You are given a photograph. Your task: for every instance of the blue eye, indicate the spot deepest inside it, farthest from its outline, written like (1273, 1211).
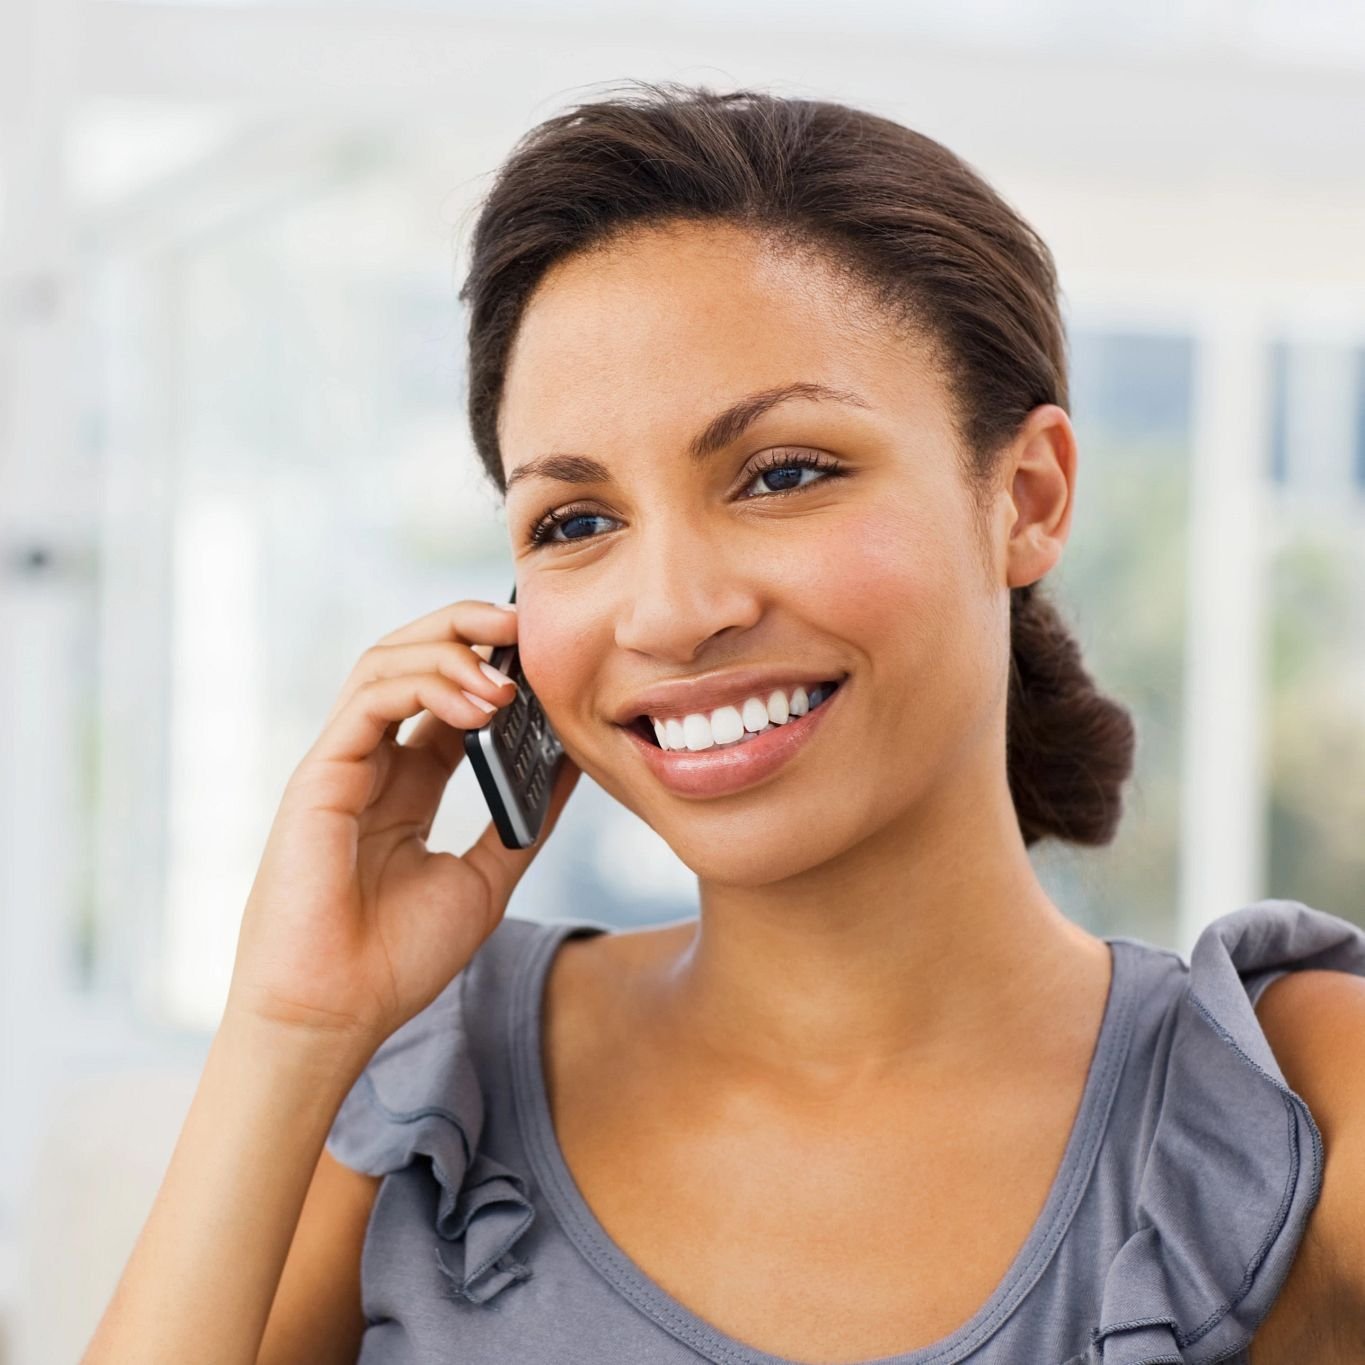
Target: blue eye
(781, 462)
(564, 516)
(776, 462)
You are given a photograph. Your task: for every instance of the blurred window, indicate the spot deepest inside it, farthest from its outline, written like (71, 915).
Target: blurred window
(1121, 585)
(1315, 574)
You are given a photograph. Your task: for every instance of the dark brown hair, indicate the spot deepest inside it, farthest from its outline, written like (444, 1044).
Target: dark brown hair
(940, 254)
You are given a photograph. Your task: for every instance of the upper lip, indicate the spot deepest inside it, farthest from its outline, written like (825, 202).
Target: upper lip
(683, 696)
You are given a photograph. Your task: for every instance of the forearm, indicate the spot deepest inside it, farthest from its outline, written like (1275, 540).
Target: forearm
(201, 1279)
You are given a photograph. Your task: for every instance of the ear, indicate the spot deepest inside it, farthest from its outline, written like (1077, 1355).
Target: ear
(1039, 473)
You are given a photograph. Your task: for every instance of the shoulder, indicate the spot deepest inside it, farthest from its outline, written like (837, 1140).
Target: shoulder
(1268, 1247)
(1314, 1021)
(599, 986)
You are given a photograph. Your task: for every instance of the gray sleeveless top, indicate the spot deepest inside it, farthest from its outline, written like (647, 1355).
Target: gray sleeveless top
(1170, 1227)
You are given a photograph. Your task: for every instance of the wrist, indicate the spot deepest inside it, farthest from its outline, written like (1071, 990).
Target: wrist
(326, 1060)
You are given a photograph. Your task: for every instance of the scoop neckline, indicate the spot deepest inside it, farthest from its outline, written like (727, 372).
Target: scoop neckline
(551, 1170)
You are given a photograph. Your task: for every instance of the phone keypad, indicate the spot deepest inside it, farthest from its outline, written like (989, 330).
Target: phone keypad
(527, 750)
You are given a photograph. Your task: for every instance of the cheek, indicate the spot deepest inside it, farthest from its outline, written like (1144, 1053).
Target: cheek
(897, 585)
(552, 653)
(872, 570)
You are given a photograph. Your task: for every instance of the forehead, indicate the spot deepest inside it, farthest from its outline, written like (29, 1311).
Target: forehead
(635, 341)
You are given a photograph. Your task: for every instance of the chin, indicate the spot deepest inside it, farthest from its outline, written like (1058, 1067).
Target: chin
(754, 853)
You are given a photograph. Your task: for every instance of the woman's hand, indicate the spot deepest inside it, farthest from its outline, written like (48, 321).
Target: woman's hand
(353, 925)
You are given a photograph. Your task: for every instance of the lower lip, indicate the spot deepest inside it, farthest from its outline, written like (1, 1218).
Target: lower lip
(719, 771)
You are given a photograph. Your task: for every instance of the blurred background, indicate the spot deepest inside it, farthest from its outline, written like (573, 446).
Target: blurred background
(233, 454)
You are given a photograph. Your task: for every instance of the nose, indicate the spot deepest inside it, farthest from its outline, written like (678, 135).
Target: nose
(682, 587)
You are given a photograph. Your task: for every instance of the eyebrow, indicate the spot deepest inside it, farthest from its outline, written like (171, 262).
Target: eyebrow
(722, 430)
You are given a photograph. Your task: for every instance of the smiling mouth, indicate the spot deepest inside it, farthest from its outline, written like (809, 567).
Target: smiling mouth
(645, 729)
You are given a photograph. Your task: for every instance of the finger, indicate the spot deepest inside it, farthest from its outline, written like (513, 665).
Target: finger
(414, 782)
(443, 740)
(382, 704)
(459, 662)
(466, 621)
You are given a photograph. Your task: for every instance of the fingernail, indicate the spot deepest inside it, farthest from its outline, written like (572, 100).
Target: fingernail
(481, 702)
(506, 606)
(490, 672)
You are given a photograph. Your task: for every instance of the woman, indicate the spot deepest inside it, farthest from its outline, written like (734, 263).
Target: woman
(775, 391)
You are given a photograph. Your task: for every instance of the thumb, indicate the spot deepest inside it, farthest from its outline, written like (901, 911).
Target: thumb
(500, 867)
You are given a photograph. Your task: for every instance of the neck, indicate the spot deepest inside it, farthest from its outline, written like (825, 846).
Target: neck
(929, 946)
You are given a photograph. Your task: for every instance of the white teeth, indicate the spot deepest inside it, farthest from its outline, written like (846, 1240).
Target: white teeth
(755, 714)
(697, 731)
(726, 725)
(729, 725)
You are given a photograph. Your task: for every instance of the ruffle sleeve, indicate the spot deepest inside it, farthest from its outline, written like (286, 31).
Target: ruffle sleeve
(419, 1100)
(1235, 1163)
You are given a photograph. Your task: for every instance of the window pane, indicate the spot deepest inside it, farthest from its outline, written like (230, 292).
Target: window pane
(1121, 584)
(1316, 584)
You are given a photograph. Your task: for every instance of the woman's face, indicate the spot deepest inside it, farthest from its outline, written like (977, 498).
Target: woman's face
(673, 568)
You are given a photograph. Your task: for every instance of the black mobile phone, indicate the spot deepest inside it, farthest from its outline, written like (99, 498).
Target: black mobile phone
(516, 757)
